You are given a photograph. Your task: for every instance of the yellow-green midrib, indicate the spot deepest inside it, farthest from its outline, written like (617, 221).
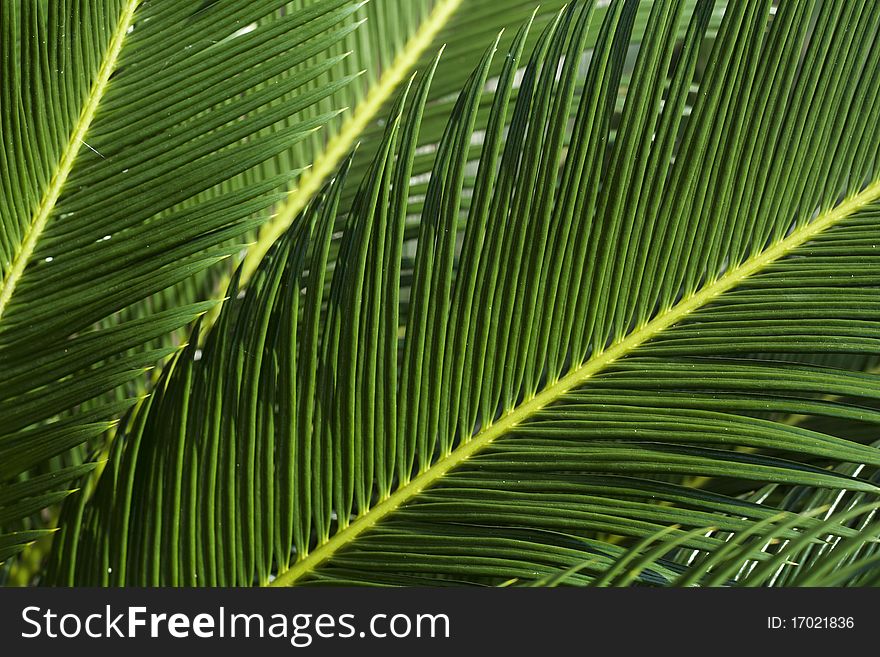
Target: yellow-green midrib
(576, 377)
(77, 140)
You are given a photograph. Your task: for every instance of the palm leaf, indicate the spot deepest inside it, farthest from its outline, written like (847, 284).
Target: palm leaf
(131, 131)
(638, 295)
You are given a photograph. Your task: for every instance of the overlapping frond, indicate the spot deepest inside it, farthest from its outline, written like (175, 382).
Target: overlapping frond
(638, 294)
(829, 553)
(122, 125)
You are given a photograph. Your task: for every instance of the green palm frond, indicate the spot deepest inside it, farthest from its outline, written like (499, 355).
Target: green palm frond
(640, 294)
(135, 141)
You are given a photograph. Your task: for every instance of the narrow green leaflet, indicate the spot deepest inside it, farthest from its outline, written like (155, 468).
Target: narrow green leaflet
(658, 266)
